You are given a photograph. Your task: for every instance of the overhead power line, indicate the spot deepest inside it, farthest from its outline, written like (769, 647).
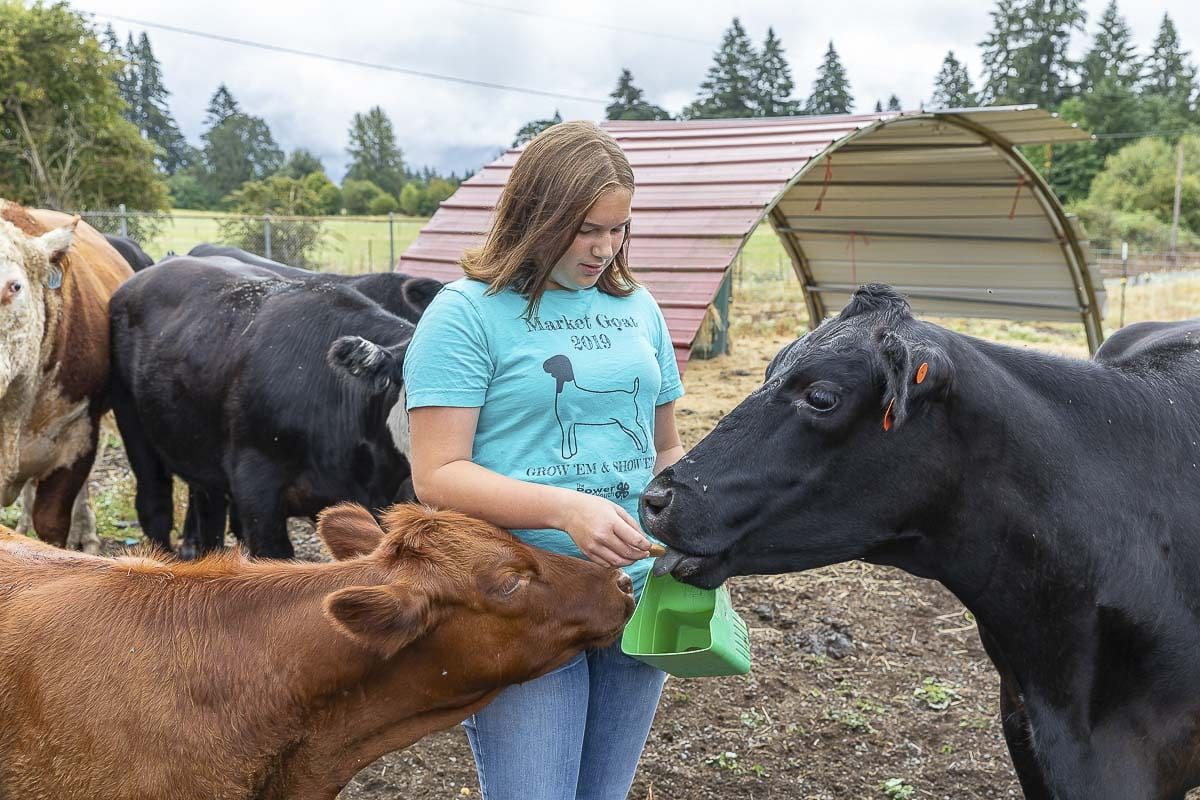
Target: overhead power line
(584, 23)
(1143, 134)
(352, 61)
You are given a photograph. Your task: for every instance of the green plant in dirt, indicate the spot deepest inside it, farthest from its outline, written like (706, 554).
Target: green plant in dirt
(937, 696)
(759, 771)
(869, 706)
(752, 718)
(726, 760)
(853, 720)
(897, 789)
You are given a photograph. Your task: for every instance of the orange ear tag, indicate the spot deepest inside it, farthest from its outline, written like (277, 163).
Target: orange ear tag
(887, 416)
(921, 370)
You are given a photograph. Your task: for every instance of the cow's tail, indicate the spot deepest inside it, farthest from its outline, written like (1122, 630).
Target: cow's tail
(361, 360)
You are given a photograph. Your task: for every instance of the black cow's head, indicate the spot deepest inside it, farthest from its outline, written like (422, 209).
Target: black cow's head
(841, 454)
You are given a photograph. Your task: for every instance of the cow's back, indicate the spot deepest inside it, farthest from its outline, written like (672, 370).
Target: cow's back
(1155, 346)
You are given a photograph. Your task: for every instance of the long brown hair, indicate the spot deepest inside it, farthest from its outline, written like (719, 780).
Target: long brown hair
(554, 183)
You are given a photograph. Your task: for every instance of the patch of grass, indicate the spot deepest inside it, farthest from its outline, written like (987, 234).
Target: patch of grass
(9, 516)
(115, 510)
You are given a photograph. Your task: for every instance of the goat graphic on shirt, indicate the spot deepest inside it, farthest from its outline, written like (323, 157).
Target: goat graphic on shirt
(575, 405)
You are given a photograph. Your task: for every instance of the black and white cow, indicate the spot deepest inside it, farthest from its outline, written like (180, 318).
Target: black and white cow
(406, 296)
(1058, 499)
(283, 395)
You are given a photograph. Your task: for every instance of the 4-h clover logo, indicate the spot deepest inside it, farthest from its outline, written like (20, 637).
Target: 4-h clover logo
(622, 490)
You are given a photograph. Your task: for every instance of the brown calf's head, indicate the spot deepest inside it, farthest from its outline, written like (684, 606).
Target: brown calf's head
(466, 598)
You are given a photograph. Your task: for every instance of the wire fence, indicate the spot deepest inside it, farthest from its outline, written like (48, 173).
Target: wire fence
(339, 244)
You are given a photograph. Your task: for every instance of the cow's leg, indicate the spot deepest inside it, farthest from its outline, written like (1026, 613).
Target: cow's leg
(1018, 736)
(258, 496)
(204, 526)
(1015, 723)
(154, 500)
(25, 521)
(83, 524)
(55, 499)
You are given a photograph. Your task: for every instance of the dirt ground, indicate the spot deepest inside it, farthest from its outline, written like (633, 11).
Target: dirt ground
(866, 682)
(831, 706)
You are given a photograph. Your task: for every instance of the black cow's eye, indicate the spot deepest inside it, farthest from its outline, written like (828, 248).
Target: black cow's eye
(820, 399)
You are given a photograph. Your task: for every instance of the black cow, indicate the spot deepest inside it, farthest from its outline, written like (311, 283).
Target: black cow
(1059, 500)
(228, 376)
(131, 251)
(404, 295)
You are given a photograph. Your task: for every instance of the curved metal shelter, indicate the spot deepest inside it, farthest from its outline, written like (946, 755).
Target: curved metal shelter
(940, 204)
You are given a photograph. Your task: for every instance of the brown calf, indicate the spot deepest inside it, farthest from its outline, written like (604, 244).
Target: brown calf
(227, 678)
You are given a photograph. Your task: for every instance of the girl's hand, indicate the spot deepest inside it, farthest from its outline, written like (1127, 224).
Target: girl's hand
(604, 531)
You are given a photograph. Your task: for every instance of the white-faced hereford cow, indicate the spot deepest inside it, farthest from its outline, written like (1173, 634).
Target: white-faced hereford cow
(282, 395)
(56, 277)
(1059, 500)
(270, 680)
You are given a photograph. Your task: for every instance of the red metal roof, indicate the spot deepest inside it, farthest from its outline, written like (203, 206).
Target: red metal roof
(702, 187)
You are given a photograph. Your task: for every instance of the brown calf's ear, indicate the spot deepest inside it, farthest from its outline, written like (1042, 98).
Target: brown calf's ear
(348, 530)
(383, 619)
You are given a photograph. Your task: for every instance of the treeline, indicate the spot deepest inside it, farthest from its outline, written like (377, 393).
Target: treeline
(86, 123)
(1142, 103)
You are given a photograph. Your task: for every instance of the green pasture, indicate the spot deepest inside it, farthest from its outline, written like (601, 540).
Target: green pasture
(348, 244)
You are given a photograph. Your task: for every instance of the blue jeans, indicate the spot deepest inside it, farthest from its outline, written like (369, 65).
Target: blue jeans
(575, 733)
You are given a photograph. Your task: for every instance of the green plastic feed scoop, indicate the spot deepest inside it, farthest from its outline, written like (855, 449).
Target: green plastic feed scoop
(687, 631)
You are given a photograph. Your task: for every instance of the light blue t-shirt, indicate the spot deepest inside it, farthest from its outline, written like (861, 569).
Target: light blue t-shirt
(566, 397)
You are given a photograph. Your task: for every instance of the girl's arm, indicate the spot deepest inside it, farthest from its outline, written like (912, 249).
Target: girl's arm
(445, 476)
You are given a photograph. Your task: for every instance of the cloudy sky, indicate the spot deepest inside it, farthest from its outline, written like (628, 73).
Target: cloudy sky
(565, 49)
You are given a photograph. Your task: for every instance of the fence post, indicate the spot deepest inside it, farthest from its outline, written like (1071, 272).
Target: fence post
(391, 241)
(124, 220)
(1124, 278)
(267, 234)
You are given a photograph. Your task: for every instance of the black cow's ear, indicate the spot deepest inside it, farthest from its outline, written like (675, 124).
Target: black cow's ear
(933, 374)
(914, 374)
(383, 619)
(348, 530)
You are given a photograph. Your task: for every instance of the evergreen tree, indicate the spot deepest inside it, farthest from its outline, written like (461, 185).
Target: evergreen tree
(773, 95)
(1045, 59)
(531, 129)
(1112, 55)
(628, 102)
(878, 106)
(302, 163)
(149, 110)
(374, 155)
(221, 106)
(237, 148)
(894, 103)
(729, 90)
(1000, 50)
(1168, 74)
(831, 89)
(952, 86)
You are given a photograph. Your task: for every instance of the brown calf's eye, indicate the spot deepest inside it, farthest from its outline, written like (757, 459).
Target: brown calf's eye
(510, 585)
